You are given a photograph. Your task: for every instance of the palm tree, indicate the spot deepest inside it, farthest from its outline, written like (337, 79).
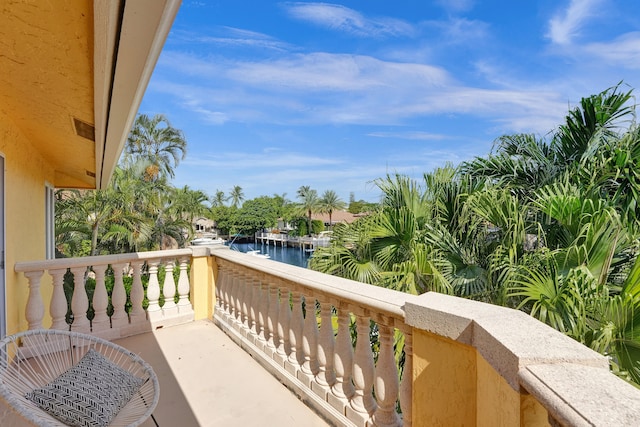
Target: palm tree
(527, 163)
(387, 248)
(236, 196)
(187, 204)
(587, 125)
(156, 142)
(109, 219)
(522, 161)
(330, 202)
(219, 199)
(309, 203)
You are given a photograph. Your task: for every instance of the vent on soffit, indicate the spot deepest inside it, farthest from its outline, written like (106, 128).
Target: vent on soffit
(84, 129)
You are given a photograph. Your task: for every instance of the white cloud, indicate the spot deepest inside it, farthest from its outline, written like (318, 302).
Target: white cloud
(624, 51)
(566, 25)
(343, 19)
(334, 72)
(324, 88)
(232, 38)
(461, 30)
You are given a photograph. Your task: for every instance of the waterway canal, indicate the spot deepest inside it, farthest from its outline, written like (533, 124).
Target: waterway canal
(292, 256)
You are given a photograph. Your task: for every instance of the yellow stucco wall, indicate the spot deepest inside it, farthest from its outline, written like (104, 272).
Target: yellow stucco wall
(455, 386)
(26, 173)
(498, 404)
(444, 386)
(203, 271)
(532, 413)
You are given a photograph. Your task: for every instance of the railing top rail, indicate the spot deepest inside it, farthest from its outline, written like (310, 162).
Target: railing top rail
(63, 263)
(386, 302)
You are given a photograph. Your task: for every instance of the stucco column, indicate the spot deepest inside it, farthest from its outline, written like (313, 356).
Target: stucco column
(204, 270)
(444, 387)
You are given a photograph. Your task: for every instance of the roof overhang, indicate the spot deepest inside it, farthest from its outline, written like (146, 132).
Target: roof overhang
(129, 36)
(72, 76)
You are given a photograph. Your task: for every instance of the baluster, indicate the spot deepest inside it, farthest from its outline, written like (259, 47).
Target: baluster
(58, 307)
(326, 376)
(263, 307)
(79, 301)
(238, 296)
(386, 380)
(184, 305)
(272, 317)
(169, 290)
(295, 333)
(224, 276)
(363, 370)
(406, 385)
(218, 289)
(310, 340)
(253, 307)
(100, 301)
(233, 296)
(230, 301)
(245, 302)
(137, 314)
(153, 291)
(284, 320)
(343, 388)
(34, 311)
(118, 298)
(230, 289)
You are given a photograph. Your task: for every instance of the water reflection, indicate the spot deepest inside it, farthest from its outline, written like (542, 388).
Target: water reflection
(292, 256)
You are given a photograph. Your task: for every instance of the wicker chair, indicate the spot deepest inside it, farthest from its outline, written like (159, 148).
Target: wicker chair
(37, 366)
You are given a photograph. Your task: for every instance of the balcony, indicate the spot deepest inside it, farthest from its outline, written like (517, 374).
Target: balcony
(239, 340)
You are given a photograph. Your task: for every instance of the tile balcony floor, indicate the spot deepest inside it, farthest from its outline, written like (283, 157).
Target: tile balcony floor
(207, 380)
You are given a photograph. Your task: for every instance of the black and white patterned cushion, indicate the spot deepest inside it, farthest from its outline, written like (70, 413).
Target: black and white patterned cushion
(89, 394)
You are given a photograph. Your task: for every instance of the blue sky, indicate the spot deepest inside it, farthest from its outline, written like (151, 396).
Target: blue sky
(275, 95)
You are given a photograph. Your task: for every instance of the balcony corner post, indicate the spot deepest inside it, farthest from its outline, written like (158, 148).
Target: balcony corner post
(204, 273)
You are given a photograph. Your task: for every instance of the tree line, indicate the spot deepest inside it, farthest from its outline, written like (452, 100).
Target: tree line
(264, 212)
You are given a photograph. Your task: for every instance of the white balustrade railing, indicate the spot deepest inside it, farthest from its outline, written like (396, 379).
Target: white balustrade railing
(121, 322)
(304, 331)
(336, 343)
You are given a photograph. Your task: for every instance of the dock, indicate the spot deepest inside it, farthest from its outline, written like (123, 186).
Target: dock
(284, 240)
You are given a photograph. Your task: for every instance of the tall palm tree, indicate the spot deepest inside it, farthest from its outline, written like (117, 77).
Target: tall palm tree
(236, 196)
(186, 203)
(329, 202)
(155, 141)
(218, 199)
(309, 203)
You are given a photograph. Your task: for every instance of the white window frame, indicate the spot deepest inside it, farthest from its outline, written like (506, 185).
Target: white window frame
(49, 220)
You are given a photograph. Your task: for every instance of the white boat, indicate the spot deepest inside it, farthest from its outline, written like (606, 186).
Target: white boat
(258, 254)
(202, 241)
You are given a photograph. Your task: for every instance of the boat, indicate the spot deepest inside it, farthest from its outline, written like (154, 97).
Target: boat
(205, 241)
(258, 254)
